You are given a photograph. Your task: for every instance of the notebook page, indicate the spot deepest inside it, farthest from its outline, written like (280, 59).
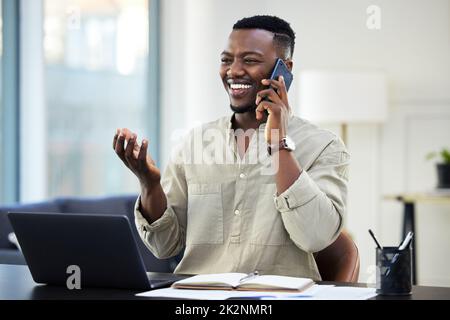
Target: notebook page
(282, 282)
(229, 279)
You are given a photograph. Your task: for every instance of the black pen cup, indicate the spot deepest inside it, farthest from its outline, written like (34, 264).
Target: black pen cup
(394, 276)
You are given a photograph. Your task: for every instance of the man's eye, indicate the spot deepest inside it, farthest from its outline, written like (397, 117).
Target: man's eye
(225, 60)
(250, 61)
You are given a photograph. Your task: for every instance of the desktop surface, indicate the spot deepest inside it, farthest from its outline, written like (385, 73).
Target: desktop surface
(16, 283)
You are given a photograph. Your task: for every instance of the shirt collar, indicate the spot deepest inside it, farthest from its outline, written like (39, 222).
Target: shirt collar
(262, 126)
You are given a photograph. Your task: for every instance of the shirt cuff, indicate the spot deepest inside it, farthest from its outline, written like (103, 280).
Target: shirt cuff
(302, 191)
(163, 222)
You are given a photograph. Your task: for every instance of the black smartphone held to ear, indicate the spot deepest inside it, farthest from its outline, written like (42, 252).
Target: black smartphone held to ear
(281, 69)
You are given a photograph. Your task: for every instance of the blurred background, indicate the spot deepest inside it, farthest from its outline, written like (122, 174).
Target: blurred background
(72, 71)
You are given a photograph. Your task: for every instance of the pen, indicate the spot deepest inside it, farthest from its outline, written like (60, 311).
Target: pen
(249, 276)
(375, 239)
(378, 245)
(406, 242)
(403, 245)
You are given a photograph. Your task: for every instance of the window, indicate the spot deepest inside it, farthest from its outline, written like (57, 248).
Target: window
(96, 59)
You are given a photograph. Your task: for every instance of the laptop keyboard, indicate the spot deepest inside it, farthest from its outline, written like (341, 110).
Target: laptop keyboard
(152, 277)
(156, 282)
(160, 281)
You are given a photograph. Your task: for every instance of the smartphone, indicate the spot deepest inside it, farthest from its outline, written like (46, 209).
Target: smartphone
(281, 69)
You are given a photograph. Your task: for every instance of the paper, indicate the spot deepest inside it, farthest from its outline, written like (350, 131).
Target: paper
(216, 294)
(282, 282)
(316, 292)
(344, 293)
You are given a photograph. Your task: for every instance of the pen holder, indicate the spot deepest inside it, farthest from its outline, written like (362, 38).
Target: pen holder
(394, 271)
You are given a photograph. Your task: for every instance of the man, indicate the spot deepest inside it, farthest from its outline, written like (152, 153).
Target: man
(237, 216)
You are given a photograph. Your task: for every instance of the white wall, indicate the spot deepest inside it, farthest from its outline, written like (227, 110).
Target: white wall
(412, 47)
(412, 132)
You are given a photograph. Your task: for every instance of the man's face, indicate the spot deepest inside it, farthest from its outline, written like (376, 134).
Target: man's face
(248, 58)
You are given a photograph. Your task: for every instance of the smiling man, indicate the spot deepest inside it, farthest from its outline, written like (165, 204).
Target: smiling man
(234, 216)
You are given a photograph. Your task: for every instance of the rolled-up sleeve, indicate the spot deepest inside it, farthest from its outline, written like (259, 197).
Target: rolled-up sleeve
(166, 236)
(313, 207)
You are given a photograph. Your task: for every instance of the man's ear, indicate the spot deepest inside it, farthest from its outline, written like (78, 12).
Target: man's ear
(289, 64)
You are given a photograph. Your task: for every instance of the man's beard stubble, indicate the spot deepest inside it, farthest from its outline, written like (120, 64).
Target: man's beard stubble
(242, 109)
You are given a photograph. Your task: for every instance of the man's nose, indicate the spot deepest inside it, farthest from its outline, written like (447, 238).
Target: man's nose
(235, 70)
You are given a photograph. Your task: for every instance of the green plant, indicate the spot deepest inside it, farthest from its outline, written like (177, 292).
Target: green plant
(444, 155)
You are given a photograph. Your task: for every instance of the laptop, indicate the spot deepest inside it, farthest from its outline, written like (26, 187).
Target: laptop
(103, 247)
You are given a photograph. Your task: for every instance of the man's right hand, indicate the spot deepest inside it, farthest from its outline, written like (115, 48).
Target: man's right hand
(153, 200)
(136, 159)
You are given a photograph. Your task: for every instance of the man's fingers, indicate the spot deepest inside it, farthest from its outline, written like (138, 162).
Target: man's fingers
(278, 85)
(136, 147)
(116, 136)
(259, 115)
(282, 89)
(271, 82)
(142, 157)
(143, 151)
(119, 146)
(130, 147)
(127, 133)
(265, 105)
(269, 93)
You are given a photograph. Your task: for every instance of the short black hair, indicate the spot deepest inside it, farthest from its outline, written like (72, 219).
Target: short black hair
(284, 36)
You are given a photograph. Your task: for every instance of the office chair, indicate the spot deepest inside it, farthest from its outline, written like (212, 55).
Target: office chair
(339, 261)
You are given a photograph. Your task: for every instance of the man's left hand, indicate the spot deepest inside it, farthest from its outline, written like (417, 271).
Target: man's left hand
(278, 107)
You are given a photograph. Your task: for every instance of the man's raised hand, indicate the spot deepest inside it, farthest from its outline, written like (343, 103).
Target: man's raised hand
(135, 157)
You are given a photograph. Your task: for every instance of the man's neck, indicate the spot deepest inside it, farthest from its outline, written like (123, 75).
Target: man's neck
(247, 120)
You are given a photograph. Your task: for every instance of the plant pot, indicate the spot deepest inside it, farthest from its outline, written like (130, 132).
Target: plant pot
(443, 171)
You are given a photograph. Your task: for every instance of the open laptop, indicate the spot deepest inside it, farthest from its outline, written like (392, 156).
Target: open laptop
(102, 246)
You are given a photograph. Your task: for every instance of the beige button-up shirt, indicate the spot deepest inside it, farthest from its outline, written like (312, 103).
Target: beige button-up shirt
(225, 212)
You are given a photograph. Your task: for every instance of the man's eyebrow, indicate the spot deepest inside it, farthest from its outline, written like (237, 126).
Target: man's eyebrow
(244, 53)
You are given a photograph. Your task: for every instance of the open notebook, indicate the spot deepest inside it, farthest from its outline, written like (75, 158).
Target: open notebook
(241, 281)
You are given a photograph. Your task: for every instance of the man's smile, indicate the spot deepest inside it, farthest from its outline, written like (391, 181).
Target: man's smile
(238, 89)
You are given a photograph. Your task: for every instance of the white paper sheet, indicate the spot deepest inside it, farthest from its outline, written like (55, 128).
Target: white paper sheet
(341, 293)
(316, 292)
(221, 294)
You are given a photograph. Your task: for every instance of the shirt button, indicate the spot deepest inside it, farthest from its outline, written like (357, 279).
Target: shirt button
(236, 212)
(242, 176)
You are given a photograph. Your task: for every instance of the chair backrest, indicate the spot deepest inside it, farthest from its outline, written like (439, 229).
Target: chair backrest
(339, 261)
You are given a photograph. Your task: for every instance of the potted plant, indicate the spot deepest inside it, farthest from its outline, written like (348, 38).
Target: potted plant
(443, 167)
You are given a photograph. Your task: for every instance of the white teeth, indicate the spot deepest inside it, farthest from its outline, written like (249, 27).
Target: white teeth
(240, 86)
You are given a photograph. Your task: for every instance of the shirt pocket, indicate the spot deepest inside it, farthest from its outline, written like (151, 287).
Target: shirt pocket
(267, 227)
(204, 214)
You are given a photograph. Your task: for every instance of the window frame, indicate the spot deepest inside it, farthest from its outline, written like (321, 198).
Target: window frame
(10, 135)
(153, 96)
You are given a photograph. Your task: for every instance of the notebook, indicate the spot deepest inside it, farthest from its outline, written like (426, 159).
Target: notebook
(243, 281)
